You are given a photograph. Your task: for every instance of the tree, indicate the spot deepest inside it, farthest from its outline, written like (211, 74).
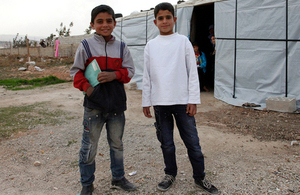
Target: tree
(88, 30)
(50, 39)
(19, 42)
(63, 31)
(23, 42)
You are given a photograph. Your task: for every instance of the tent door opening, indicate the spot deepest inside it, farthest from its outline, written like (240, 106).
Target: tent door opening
(202, 19)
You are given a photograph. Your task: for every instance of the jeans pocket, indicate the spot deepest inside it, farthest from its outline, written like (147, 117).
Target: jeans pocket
(88, 109)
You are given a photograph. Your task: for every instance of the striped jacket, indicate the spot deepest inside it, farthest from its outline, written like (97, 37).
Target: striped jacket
(111, 56)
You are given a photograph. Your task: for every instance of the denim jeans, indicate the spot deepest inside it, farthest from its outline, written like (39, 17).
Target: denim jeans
(93, 122)
(188, 132)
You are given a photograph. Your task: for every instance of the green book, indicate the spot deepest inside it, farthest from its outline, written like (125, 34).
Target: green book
(91, 72)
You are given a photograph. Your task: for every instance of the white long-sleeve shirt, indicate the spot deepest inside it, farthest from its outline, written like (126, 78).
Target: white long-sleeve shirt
(170, 72)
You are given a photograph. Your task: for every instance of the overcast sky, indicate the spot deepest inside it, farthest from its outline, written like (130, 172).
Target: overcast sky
(42, 17)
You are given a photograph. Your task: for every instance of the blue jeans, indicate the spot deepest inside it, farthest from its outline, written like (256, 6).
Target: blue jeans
(93, 122)
(188, 132)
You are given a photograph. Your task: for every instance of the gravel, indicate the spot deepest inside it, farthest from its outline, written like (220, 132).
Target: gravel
(239, 158)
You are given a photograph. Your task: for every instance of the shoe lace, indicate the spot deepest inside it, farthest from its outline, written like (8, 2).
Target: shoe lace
(206, 183)
(125, 181)
(168, 178)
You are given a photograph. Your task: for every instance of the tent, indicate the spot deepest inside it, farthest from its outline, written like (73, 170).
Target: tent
(257, 45)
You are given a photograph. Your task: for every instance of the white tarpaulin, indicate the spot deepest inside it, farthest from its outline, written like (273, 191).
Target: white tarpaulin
(137, 29)
(251, 48)
(262, 69)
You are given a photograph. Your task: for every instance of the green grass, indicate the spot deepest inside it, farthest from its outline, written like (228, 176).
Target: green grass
(15, 119)
(71, 142)
(21, 84)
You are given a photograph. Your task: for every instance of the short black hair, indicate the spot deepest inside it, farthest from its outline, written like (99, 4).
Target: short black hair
(101, 9)
(195, 44)
(163, 6)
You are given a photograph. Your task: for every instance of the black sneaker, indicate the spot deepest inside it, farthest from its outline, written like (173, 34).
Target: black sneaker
(166, 183)
(123, 184)
(87, 190)
(207, 186)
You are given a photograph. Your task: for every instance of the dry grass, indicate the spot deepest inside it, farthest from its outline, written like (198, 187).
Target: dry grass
(58, 67)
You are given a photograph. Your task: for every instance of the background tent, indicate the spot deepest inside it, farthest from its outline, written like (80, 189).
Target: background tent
(257, 45)
(138, 28)
(258, 50)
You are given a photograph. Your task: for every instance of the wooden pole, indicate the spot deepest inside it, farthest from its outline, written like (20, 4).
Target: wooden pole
(10, 48)
(27, 42)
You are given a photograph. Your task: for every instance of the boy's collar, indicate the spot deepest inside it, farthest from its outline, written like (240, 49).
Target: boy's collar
(101, 38)
(174, 33)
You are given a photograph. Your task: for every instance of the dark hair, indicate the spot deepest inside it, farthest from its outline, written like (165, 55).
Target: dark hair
(195, 44)
(163, 6)
(101, 9)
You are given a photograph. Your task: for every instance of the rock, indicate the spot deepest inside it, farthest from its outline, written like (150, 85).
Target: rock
(250, 105)
(22, 69)
(38, 68)
(37, 163)
(132, 173)
(30, 65)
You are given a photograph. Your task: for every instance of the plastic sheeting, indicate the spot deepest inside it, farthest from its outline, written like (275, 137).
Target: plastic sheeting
(138, 29)
(261, 65)
(248, 69)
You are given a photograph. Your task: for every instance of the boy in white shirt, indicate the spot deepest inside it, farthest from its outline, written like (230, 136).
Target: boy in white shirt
(171, 85)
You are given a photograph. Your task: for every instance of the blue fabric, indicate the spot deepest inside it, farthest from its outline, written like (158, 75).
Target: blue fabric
(202, 59)
(93, 123)
(187, 128)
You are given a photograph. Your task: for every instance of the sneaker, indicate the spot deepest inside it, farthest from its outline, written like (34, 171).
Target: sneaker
(123, 184)
(207, 186)
(87, 190)
(166, 183)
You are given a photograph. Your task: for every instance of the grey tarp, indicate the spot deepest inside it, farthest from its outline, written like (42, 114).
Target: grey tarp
(252, 46)
(137, 29)
(257, 33)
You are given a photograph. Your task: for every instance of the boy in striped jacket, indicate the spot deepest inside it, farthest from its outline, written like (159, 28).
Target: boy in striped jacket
(105, 102)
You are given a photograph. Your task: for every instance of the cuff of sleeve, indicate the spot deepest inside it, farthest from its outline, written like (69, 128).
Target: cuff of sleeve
(86, 86)
(118, 75)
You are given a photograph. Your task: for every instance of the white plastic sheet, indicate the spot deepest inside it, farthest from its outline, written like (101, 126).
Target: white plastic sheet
(261, 57)
(137, 30)
(260, 51)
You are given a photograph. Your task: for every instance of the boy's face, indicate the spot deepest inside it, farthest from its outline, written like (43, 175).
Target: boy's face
(196, 48)
(213, 40)
(104, 25)
(165, 22)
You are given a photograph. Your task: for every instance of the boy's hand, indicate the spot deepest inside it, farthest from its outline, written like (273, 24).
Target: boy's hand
(104, 77)
(191, 109)
(146, 111)
(89, 91)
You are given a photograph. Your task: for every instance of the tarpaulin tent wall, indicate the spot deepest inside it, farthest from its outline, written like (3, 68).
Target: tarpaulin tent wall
(258, 49)
(138, 28)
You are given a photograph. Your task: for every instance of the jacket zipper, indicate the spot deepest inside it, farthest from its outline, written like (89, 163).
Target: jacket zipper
(105, 55)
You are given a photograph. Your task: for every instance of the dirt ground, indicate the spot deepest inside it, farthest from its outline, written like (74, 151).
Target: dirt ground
(246, 151)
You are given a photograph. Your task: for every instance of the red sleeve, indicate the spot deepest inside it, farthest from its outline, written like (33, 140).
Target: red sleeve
(122, 75)
(80, 82)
